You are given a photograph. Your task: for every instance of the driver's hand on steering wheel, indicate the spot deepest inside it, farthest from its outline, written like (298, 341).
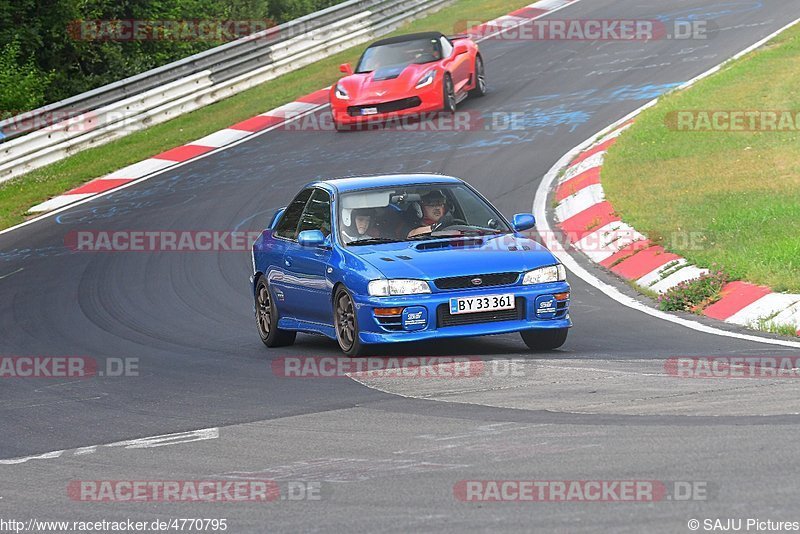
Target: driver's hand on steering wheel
(421, 230)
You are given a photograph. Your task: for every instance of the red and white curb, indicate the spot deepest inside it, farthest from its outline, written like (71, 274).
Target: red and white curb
(188, 151)
(272, 118)
(594, 228)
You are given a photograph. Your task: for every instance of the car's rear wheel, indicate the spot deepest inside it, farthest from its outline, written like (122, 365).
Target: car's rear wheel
(267, 319)
(544, 339)
(449, 96)
(346, 323)
(480, 75)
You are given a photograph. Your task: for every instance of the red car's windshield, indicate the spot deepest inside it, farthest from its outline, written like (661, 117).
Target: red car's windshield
(400, 54)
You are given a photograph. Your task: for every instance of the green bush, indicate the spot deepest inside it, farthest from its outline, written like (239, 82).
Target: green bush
(49, 62)
(694, 295)
(22, 85)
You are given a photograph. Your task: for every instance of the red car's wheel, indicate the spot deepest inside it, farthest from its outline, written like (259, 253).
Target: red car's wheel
(480, 78)
(449, 94)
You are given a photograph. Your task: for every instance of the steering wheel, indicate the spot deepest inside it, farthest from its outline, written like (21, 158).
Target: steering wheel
(441, 225)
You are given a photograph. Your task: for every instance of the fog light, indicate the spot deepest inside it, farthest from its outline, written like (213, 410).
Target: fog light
(388, 312)
(561, 296)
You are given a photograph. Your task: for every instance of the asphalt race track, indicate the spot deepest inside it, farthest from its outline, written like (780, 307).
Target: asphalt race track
(387, 453)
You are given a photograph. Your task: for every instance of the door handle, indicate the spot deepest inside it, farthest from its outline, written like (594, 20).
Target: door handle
(287, 261)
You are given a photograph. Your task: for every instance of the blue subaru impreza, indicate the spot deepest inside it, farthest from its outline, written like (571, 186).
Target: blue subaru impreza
(388, 259)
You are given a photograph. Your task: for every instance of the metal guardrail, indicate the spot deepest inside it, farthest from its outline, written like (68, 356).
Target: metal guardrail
(155, 96)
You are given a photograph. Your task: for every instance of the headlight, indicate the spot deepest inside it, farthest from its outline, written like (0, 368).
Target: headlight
(426, 79)
(341, 94)
(385, 288)
(554, 273)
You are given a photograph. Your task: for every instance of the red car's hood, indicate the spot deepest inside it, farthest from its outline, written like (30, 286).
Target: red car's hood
(384, 85)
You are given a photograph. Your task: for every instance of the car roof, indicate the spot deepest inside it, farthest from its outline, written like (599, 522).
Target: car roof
(407, 37)
(384, 180)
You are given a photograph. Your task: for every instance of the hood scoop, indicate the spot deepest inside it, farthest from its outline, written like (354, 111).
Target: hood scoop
(460, 243)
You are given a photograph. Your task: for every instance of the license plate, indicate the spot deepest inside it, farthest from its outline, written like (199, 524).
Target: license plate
(481, 304)
(369, 111)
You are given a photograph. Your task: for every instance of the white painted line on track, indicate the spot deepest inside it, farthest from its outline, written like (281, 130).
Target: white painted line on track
(150, 442)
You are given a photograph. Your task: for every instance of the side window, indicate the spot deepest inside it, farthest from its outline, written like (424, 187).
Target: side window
(287, 226)
(317, 215)
(447, 47)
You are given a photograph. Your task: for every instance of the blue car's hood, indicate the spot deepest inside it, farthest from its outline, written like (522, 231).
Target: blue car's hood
(455, 257)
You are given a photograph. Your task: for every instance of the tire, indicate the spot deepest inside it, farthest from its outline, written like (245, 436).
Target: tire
(480, 74)
(345, 322)
(448, 94)
(267, 319)
(544, 339)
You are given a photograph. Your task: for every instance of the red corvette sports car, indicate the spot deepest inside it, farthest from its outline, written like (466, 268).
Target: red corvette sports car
(407, 74)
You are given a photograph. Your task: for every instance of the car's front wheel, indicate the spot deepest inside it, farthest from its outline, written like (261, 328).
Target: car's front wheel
(267, 319)
(346, 323)
(544, 339)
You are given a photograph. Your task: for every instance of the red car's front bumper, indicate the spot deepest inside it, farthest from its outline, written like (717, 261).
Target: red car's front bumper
(351, 112)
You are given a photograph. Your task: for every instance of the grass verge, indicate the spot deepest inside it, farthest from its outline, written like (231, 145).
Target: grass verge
(725, 197)
(19, 194)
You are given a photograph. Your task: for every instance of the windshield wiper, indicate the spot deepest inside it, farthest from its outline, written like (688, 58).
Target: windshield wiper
(372, 241)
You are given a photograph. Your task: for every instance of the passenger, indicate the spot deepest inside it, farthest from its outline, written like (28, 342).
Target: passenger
(361, 226)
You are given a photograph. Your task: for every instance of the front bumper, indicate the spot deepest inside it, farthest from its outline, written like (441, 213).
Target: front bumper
(385, 330)
(344, 111)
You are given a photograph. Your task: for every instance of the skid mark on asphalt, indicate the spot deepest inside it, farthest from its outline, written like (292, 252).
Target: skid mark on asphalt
(341, 469)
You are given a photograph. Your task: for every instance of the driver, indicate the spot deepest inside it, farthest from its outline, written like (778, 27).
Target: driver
(434, 213)
(361, 225)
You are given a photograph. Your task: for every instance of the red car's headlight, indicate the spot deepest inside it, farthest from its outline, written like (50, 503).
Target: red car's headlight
(340, 93)
(426, 79)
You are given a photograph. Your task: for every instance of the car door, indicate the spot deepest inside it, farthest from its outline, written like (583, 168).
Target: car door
(285, 235)
(459, 67)
(306, 267)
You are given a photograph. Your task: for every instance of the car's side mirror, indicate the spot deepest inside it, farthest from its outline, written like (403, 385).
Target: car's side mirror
(523, 221)
(311, 238)
(346, 68)
(460, 48)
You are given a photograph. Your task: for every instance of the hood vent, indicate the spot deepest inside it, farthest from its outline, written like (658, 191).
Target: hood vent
(461, 243)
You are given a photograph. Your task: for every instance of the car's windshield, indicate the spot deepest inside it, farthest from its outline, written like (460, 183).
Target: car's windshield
(399, 54)
(415, 212)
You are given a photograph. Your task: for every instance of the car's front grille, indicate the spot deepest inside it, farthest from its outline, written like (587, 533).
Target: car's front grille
(444, 318)
(386, 107)
(487, 280)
